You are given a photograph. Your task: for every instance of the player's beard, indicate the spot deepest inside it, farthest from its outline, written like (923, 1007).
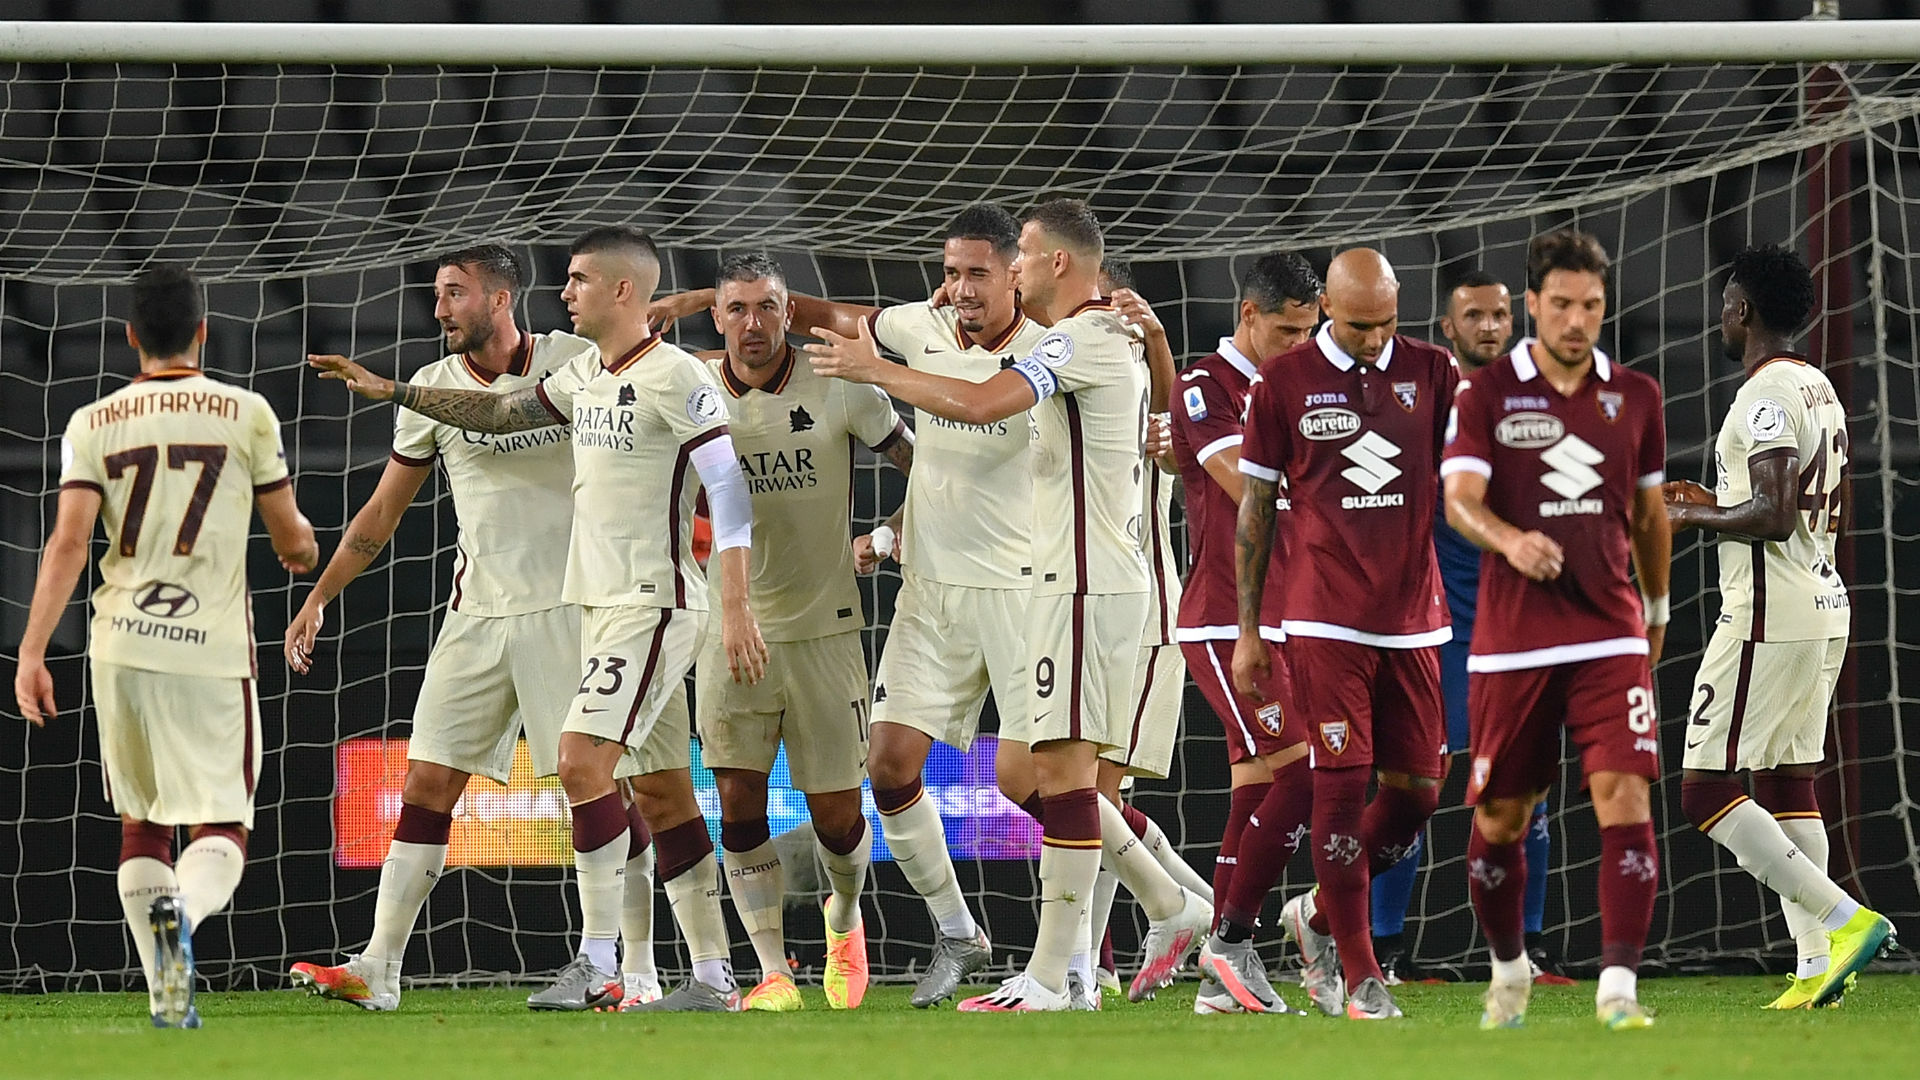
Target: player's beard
(1735, 353)
(1562, 359)
(468, 339)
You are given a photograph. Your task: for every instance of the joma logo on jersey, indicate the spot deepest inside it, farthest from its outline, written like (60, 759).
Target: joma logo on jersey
(1325, 425)
(1529, 431)
(1573, 475)
(1371, 470)
(1326, 399)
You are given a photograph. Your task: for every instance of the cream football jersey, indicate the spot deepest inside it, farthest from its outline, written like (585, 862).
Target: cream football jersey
(177, 459)
(969, 507)
(636, 421)
(794, 438)
(1787, 590)
(1089, 432)
(512, 494)
(1156, 538)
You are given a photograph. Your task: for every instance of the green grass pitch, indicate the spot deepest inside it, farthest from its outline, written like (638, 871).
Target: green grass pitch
(1708, 1027)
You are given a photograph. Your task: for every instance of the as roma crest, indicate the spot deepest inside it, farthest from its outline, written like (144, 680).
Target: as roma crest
(1610, 403)
(1334, 735)
(1407, 393)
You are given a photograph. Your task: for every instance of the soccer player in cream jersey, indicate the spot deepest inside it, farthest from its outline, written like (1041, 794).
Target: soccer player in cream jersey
(794, 432)
(959, 622)
(1088, 379)
(1160, 671)
(509, 645)
(646, 417)
(1760, 698)
(173, 465)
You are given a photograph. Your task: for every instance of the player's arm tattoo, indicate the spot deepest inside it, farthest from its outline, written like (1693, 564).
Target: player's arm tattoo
(901, 454)
(476, 410)
(1253, 545)
(364, 545)
(1768, 515)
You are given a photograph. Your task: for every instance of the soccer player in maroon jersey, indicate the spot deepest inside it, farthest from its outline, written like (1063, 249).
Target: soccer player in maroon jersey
(1352, 423)
(1266, 742)
(1554, 465)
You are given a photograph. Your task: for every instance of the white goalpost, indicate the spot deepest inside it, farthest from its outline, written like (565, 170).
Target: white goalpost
(310, 174)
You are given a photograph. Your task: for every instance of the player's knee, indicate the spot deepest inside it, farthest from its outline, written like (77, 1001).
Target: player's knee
(1257, 770)
(1503, 821)
(1409, 782)
(743, 794)
(836, 813)
(582, 775)
(894, 761)
(665, 799)
(1706, 797)
(1620, 799)
(433, 787)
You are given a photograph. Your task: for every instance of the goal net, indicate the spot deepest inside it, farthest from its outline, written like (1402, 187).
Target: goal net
(312, 197)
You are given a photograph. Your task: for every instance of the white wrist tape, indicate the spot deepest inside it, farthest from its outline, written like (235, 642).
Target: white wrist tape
(883, 538)
(1659, 609)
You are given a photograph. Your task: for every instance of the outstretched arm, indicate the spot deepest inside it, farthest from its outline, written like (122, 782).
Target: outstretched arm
(60, 566)
(842, 319)
(856, 359)
(471, 410)
(367, 534)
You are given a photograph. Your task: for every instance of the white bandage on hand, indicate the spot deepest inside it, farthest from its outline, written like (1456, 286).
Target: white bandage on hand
(883, 539)
(728, 505)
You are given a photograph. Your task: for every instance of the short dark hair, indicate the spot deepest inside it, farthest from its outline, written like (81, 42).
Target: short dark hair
(1071, 221)
(985, 221)
(167, 309)
(1565, 249)
(613, 238)
(1276, 278)
(748, 266)
(1475, 278)
(1119, 273)
(1778, 284)
(494, 264)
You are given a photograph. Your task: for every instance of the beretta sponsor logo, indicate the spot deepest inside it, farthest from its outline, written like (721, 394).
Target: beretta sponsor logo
(1322, 425)
(1529, 431)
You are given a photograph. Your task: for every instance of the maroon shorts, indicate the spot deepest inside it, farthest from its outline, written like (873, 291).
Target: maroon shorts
(1515, 717)
(1253, 730)
(1366, 705)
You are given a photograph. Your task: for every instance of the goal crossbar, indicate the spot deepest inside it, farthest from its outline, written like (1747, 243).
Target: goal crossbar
(989, 46)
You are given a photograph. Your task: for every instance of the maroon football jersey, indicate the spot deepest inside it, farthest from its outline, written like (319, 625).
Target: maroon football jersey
(1567, 467)
(1358, 446)
(1207, 419)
